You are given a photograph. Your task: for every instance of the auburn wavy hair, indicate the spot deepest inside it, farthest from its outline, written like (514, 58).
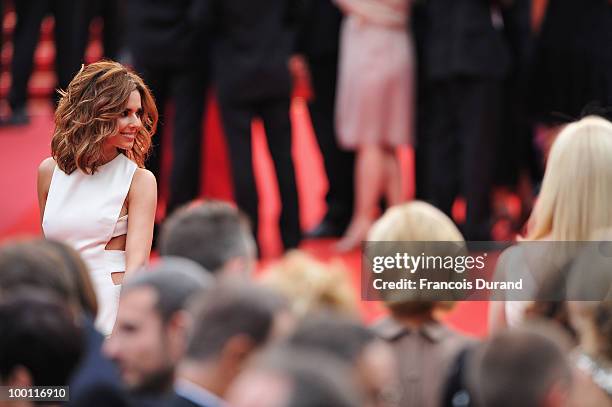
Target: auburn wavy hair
(87, 114)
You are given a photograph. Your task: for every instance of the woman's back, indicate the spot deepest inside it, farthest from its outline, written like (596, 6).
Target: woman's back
(84, 211)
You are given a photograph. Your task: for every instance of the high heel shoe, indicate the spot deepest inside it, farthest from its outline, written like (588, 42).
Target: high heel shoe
(355, 234)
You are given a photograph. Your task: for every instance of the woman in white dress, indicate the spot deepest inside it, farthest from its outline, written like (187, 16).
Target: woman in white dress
(94, 181)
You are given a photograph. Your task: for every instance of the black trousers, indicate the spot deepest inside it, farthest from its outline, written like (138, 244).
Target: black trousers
(30, 14)
(420, 21)
(339, 164)
(237, 118)
(112, 14)
(463, 139)
(422, 141)
(186, 87)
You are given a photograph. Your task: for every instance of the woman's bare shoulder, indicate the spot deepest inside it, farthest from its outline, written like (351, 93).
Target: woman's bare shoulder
(144, 176)
(43, 183)
(46, 167)
(48, 164)
(143, 182)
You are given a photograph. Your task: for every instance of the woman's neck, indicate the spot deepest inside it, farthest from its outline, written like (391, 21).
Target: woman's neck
(109, 154)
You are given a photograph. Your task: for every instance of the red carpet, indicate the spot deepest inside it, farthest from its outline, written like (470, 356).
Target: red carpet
(22, 149)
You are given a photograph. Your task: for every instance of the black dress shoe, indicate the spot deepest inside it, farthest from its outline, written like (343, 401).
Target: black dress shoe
(326, 229)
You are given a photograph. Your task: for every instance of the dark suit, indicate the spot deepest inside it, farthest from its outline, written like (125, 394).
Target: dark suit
(179, 401)
(153, 400)
(318, 41)
(466, 62)
(419, 21)
(201, 398)
(170, 51)
(183, 402)
(253, 43)
(96, 381)
(516, 150)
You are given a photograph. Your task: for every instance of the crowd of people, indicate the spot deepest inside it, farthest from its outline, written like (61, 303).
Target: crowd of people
(86, 307)
(197, 328)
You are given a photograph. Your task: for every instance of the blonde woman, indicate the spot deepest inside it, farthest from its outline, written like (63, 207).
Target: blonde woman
(424, 347)
(589, 301)
(574, 203)
(94, 181)
(312, 286)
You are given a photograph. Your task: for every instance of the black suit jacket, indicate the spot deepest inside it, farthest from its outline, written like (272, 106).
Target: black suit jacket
(319, 29)
(462, 41)
(167, 33)
(253, 41)
(96, 381)
(179, 401)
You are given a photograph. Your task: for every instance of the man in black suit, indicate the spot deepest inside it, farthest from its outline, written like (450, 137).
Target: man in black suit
(253, 43)
(149, 335)
(170, 51)
(467, 59)
(229, 326)
(318, 42)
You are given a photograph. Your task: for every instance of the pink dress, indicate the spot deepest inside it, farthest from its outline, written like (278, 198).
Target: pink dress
(374, 102)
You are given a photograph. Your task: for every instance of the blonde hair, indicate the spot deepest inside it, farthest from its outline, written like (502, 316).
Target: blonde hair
(414, 221)
(577, 188)
(418, 222)
(87, 114)
(311, 285)
(588, 290)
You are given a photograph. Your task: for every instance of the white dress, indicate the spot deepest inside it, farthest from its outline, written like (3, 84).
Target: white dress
(83, 211)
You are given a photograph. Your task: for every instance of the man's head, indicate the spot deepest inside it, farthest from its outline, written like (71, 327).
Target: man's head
(150, 332)
(230, 324)
(520, 367)
(372, 359)
(214, 234)
(40, 344)
(296, 377)
(30, 264)
(48, 265)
